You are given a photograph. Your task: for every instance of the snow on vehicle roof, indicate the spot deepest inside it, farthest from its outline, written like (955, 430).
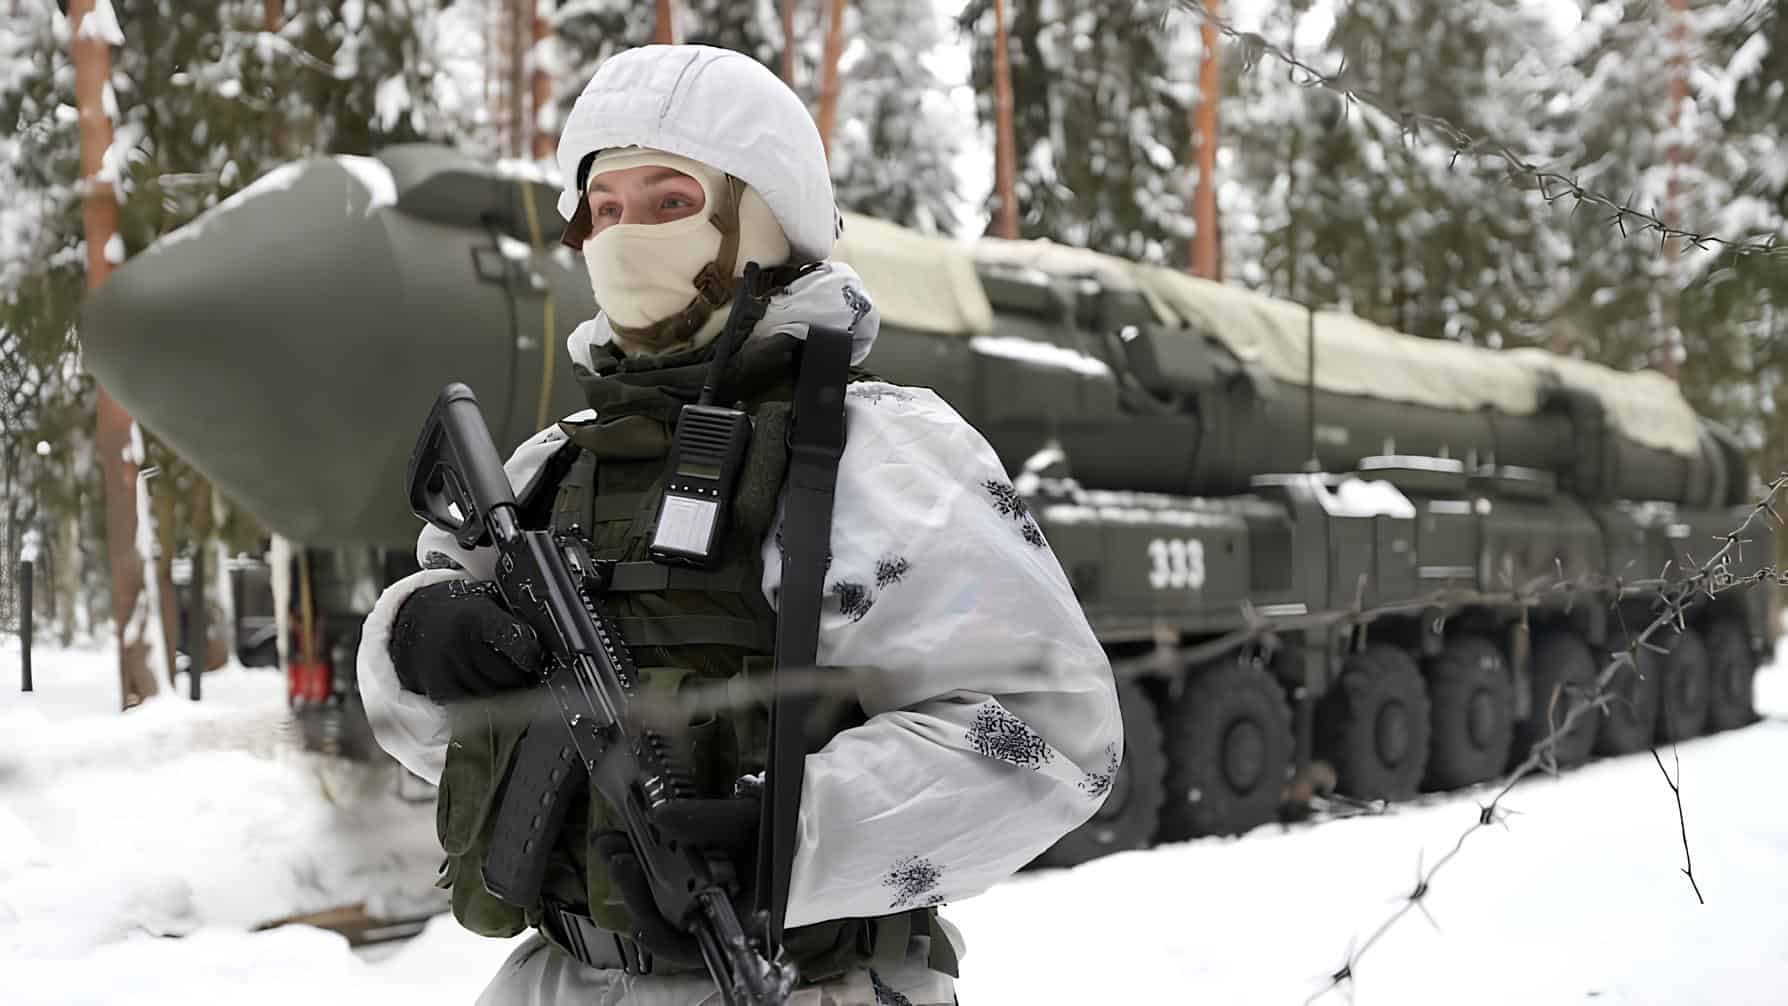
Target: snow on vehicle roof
(277, 180)
(381, 185)
(1354, 497)
(1042, 354)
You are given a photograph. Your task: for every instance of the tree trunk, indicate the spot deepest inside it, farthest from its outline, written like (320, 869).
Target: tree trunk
(99, 213)
(220, 574)
(163, 510)
(521, 37)
(788, 42)
(828, 107)
(1294, 289)
(167, 599)
(70, 574)
(665, 33)
(1205, 261)
(1005, 148)
(544, 142)
(487, 38)
(273, 16)
(1679, 90)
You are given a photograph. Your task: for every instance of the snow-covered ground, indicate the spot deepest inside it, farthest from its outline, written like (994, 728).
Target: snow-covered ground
(193, 820)
(120, 833)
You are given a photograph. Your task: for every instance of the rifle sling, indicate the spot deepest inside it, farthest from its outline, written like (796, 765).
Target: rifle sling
(816, 441)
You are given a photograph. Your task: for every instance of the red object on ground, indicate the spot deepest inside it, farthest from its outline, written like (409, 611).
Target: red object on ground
(307, 683)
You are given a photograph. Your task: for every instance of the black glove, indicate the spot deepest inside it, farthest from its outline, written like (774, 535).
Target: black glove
(727, 827)
(455, 640)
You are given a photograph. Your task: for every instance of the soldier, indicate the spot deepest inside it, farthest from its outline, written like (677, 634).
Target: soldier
(984, 725)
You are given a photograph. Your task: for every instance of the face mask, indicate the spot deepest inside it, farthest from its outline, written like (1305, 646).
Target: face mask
(643, 274)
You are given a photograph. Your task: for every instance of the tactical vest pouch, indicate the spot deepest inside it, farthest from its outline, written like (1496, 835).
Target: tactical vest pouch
(484, 740)
(829, 949)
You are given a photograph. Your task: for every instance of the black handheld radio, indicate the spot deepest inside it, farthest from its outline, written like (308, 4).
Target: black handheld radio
(707, 451)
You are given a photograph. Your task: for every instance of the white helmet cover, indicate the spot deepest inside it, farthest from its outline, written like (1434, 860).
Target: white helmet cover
(721, 108)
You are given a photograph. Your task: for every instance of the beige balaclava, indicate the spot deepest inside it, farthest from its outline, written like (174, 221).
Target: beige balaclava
(645, 276)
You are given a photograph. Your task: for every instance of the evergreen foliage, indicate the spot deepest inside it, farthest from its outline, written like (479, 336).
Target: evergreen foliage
(202, 100)
(586, 32)
(1715, 313)
(1101, 93)
(1331, 204)
(897, 135)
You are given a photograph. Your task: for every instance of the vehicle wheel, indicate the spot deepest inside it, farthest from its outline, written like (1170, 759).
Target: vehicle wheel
(1229, 748)
(1732, 674)
(1372, 725)
(1682, 713)
(1472, 713)
(1631, 715)
(1132, 808)
(1562, 664)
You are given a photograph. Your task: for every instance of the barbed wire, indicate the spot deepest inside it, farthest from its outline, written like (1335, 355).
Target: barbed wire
(1553, 185)
(1167, 658)
(1709, 579)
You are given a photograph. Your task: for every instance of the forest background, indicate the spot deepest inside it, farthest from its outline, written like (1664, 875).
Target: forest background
(1677, 109)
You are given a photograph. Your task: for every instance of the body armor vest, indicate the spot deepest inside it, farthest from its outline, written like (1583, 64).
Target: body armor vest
(689, 630)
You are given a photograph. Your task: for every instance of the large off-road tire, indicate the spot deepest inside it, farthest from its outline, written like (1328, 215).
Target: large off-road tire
(1229, 748)
(1131, 812)
(1732, 674)
(1563, 674)
(1373, 725)
(1471, 700)
(1630, 717)
(1682, 711)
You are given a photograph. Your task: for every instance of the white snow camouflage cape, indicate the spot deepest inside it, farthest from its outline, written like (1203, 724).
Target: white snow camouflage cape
(993, 724)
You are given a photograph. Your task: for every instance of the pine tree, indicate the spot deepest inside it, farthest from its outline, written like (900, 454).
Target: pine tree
(1614, 307)
(1734, 308)
(45, 398)
(203, 100)
(589, 31)
(1636, 301)
(897, 136)
(1101, 94)
(1345, 207)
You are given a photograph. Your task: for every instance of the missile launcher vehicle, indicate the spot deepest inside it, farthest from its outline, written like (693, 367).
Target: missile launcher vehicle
(1318, 551)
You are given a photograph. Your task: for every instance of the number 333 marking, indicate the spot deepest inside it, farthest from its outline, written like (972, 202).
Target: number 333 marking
(1176, 563)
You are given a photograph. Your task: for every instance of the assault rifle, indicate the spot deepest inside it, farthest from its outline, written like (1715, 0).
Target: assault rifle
(458, 485)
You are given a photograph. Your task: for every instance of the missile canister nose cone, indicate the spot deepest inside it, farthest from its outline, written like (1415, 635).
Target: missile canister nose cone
(281, 343)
